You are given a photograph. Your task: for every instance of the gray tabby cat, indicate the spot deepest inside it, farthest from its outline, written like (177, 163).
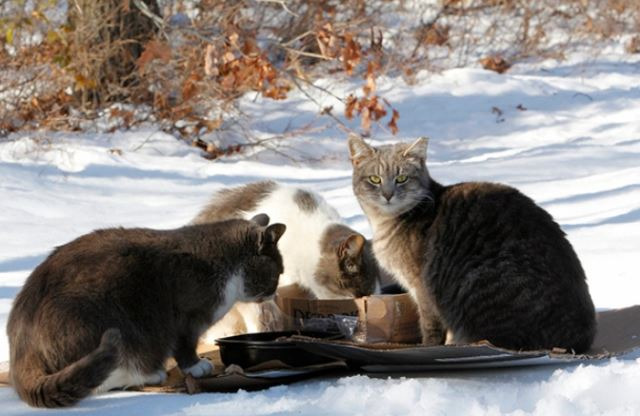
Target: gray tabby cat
(481, 260)
(107, 309)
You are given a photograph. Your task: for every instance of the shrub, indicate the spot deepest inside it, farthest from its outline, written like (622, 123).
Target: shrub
(186, 70)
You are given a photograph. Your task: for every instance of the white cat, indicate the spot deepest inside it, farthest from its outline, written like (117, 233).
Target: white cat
(319, 252)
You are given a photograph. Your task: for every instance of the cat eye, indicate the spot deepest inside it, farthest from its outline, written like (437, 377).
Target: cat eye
(401, 178)
(374, 179)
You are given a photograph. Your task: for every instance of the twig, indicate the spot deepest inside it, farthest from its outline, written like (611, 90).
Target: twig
(281, 3)
(341, 125)
(300, 36)
(145, 141)
(303, 53)
(144, 9)
(317, 87)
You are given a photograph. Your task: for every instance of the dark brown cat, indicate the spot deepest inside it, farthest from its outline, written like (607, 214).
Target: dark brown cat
(108, 308)
(481, 260)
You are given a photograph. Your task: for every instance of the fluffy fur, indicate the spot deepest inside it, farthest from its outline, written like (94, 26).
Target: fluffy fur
(319, 253)
(481, 260)
(107, 309)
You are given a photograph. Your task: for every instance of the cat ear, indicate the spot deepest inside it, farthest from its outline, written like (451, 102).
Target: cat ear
(417, 149)
(351, 247)
(261, 219)
(358, 149)
(271, 235)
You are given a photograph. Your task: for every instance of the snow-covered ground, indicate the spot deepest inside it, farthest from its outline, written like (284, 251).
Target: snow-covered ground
(567, 134)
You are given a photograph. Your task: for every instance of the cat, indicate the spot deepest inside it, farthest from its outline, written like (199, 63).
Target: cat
(105, 310)
(319, 252)
(481, 260)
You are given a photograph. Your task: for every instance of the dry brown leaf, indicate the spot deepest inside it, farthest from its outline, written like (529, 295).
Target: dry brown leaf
(182, 111)
(212, 125)
(276, 92)
(228, 57)
(433, 34)
(211, 61)
(393, 123)
(370, 85)
(350, 106)
(379, 111)
(370, 78)
(233, 39)
(350, 53)
(228, 82)
(250, 46)
(160, 101)
(83, 82)
(495, 63)
(190, 87)
(633, 46)
(154, 49)
(127, 116)
(365, 119)
(327, 40)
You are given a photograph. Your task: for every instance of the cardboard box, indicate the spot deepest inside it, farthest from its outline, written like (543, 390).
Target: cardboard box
(380, 318)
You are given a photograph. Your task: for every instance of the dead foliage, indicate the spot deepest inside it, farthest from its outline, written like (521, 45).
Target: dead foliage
(187, 63)
(189, 75)
(432, 34)
(633, 45)
(495, 63)
(103, 40)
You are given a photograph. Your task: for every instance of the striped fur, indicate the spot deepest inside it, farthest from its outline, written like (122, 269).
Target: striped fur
(482, 260)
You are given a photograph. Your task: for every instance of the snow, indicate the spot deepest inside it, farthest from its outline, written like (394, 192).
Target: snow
(573, 146)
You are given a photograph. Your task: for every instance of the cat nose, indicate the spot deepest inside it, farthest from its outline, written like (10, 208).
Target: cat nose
(387, 195)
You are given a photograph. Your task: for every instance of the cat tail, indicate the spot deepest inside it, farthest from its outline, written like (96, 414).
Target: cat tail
(74, 382)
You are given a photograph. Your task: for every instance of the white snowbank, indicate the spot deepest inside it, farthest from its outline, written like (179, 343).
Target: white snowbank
(578, 390)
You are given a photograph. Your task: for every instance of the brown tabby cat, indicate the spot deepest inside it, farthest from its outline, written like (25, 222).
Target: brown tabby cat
(481, 260)
(107, 309)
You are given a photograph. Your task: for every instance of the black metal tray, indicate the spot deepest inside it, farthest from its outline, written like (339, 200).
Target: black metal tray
(250, 350)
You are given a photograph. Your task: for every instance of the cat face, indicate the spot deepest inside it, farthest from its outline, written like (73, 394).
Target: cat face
(391, 179)
(347, 268)
(264, 266)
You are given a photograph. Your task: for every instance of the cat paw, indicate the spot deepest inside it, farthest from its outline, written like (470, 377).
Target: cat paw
(202, 368)
(156, 378)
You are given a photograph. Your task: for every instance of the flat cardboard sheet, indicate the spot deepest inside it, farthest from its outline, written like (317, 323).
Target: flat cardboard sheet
(235, 379)
(618, 333)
